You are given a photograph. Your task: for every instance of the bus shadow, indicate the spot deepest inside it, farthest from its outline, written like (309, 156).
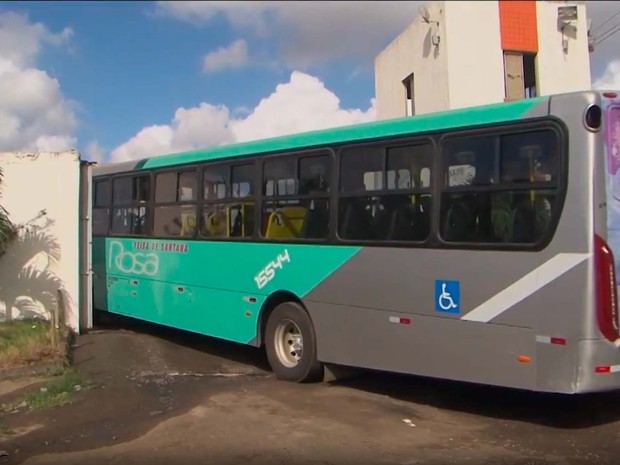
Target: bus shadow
(238, 353)
(552, 410)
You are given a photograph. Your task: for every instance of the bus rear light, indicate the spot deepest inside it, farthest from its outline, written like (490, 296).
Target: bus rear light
(606, 298)
(603, 369)
(610, 94)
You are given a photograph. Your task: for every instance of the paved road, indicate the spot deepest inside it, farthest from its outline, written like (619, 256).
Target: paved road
(162, 397)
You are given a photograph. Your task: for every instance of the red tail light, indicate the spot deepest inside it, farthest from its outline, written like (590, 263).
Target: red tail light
(606, 299)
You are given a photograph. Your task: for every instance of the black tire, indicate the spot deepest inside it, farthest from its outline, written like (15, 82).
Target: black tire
(308, 368)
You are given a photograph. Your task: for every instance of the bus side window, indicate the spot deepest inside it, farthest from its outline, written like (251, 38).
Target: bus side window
(175, 210)
(102, 199)
(296, 202)
(514, 181)
(129, 214)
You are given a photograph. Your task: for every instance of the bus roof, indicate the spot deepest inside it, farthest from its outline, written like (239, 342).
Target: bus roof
(471, 116)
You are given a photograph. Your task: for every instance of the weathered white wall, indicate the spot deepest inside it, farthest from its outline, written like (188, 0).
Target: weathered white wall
(413, 52)
(467, 68)
(475, 58)
(558, 71)
(45, 257)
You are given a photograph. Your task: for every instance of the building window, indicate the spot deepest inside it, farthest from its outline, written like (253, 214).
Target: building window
(409, 95)
(520, 75)
(529, 74)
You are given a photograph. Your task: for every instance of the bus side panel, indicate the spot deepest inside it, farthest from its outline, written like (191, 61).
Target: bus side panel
(436, 347)
(213, 288)
(405, 283)
(212, 312)
(590, 182)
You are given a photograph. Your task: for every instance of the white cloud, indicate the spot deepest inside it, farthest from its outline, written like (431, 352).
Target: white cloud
(55, 143)
(150, 141)
(610, 79)
(21, 41)
(233, 56)
(302, 104)
(94, 151)
(34, 115)
(240, 14)
(307, 33)
(191, 128)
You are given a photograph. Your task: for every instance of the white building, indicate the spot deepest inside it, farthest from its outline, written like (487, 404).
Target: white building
(466, 53)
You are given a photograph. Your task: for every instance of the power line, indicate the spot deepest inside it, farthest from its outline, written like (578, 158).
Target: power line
(606, 21)
(608, 34)
(601, 34)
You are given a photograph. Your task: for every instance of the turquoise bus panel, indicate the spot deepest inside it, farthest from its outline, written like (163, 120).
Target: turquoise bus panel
(487, 114)
(214, 288)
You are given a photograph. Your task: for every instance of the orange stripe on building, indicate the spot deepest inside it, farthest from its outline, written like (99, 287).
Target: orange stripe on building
(517, 23)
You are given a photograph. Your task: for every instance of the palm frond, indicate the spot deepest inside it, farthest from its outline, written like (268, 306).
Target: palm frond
(7, 228)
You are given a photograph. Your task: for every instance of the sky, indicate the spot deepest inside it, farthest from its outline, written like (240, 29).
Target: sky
(125, 80)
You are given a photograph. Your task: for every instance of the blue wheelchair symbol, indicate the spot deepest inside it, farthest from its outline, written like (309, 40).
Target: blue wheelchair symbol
(447, 296)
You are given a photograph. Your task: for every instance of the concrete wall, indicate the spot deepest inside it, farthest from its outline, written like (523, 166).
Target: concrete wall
(559, 71)
(41, 192)
(475, 59)
(413, 52)
(467, 68)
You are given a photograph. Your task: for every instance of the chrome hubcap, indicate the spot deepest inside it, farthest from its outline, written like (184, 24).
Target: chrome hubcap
(288, 343)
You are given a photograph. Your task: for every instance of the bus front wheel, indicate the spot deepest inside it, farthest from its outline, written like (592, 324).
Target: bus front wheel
(291, 344)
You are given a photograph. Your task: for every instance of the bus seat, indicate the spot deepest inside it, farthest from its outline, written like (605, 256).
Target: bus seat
(460, 222)
(381, 222)
(523, 222)
(188, 222)
(409, 223)
(316, 224)
(357, 221)
(285, 222)
(217, 224)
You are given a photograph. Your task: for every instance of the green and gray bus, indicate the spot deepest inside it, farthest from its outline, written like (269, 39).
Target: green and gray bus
(474, 244)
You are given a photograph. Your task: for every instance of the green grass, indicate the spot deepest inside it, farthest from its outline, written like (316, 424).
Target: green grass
(24, 342)
(57, 392)
(5, 430)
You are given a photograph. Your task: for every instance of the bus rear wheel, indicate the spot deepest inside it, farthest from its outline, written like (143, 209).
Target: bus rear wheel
(291, 344)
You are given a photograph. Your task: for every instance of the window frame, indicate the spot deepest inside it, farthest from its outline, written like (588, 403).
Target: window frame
(436, 138)
(387, 144)
(559, 185)
(107, 206)
(178, 171)
(228, 198)
(329, 196)
(133, 203)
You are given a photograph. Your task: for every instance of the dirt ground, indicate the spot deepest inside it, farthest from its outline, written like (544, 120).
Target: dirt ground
(160, 396)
